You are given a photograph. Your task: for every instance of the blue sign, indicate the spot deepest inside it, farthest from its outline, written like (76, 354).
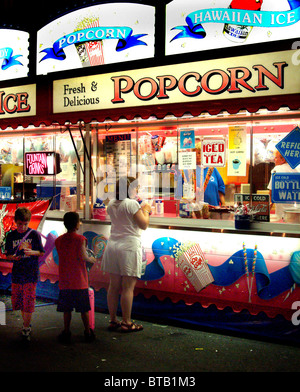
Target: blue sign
(286, 188)
(5, 192)
(125, 37)
(194, 21)
(289, 148)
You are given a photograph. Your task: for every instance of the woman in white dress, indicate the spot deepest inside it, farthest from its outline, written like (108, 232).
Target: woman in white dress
(123, 254)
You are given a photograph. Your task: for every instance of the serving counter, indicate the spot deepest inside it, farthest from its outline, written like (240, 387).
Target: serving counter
(204, 272)
(207, 262)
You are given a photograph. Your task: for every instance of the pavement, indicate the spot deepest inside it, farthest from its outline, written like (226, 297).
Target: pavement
(159, 349)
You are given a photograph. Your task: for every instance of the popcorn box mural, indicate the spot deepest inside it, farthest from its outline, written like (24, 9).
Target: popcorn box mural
(257, 273)
(193, 264)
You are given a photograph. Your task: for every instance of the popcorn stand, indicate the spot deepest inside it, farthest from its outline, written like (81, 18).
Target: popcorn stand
(201, 138)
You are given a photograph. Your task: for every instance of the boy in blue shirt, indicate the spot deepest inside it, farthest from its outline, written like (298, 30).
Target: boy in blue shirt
(23, 247)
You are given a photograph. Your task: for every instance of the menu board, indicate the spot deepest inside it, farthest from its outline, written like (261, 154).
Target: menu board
(118, 153)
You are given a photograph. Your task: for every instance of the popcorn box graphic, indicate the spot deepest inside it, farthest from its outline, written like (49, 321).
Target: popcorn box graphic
(193, 265)
(90, 53)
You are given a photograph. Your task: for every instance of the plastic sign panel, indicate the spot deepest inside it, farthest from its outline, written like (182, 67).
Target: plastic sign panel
(260, 205)
(5, 192)
(18, 101)
(101, 34)
(194, 25)
(289, 147)
(286, 188)
(237, 77)
(13, 54)
(187, 138)
(213, 153)
(41, 163)
(237, 150)
(187, 160)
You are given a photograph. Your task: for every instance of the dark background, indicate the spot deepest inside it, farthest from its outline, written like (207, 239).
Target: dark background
(31, 16)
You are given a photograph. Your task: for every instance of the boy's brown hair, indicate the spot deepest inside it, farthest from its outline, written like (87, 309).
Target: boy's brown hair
(22, 214)
(71, 220)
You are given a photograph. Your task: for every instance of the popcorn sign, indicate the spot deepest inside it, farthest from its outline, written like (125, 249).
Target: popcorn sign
(193, 265)
(213, 153)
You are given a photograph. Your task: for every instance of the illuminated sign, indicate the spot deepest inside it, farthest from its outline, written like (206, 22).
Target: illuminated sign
(193, 26)
(44, 163)
(18, 101)
(238, 77)
(101, 34)
(13, 54)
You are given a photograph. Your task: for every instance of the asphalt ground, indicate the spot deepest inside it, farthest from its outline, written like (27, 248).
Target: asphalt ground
(165, 353)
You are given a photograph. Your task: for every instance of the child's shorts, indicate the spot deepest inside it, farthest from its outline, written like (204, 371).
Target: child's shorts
(23, 296)
(70, 299)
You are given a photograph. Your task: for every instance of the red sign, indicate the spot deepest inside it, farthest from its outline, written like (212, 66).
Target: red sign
(14, 103)
(41, 163)
(233, 80)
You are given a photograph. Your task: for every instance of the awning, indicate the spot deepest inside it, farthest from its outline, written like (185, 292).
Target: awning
(232, 106)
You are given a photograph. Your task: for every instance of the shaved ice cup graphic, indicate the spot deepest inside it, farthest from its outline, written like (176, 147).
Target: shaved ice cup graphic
(90, 53)
(236, 33)
(239, 33)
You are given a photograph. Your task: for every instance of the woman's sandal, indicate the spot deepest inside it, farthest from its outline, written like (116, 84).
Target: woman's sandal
(131, 327)
(114, 325)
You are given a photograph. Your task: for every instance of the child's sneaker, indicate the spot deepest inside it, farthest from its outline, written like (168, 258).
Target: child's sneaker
(25, 333)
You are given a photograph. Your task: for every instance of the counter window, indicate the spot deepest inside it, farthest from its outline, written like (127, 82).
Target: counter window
(210, 167)
(203, 169)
